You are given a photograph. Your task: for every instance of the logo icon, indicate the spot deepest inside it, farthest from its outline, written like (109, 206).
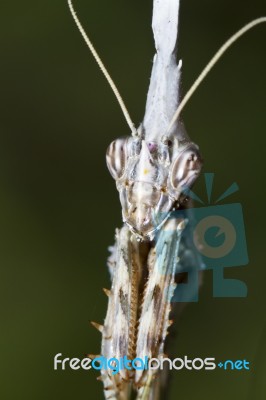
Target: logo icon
(213, 239)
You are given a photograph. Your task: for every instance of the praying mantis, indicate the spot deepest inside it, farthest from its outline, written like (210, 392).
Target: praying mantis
(153, 169)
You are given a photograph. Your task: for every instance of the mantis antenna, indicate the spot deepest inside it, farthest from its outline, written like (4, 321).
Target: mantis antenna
(211, 64)
(103, 69)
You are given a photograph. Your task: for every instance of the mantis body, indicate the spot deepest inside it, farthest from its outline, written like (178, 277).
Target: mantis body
(152, 169)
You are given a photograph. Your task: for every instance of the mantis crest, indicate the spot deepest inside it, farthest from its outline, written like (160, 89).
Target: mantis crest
(152, 169)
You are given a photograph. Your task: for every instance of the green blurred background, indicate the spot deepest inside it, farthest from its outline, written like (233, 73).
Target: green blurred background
(59, 206)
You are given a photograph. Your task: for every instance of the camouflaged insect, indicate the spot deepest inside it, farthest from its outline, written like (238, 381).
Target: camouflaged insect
(151, 169)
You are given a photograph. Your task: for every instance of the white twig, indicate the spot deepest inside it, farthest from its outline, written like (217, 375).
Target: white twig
(163, 95)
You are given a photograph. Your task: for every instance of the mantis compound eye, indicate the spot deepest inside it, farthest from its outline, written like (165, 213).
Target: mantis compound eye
(185, 168)
(116, 156)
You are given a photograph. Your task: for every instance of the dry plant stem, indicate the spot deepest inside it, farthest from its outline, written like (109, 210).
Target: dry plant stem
(163, 95)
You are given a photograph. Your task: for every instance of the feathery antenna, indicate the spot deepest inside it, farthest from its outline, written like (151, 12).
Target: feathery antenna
(103, 69)
(211, 64)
